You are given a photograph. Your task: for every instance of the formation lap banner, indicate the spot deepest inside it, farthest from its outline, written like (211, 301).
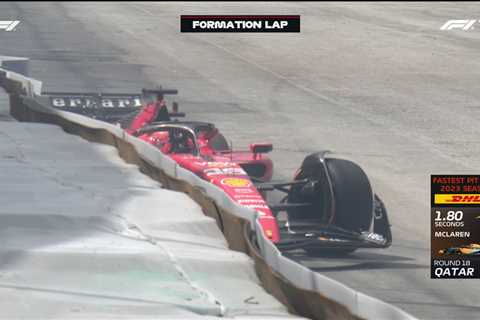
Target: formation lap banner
(240, 23)
(455, 226)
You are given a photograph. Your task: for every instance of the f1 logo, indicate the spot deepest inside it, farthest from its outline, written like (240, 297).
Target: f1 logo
(9, 25)
(458, 24)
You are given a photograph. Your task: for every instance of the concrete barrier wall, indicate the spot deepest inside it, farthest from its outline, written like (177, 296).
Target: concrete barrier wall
(306, 293)
(16, 64)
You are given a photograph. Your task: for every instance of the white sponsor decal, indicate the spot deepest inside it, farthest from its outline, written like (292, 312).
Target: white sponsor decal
(224, 171)
(243, 190)
(9, 25)
(107, 103)
(258, 201)
(256, 206)
(213, 164)
(249, 196)
(81, 102)
(458, 24)
(265, 216)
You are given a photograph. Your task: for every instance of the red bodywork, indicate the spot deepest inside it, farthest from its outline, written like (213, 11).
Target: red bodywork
(223, 168)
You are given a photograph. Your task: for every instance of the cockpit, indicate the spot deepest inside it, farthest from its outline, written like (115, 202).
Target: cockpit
(197, 138)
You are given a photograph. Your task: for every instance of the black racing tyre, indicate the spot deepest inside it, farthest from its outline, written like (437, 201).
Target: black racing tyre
(352, 201)
(353, 195)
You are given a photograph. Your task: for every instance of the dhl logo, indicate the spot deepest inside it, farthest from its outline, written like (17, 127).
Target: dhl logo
(457, 198)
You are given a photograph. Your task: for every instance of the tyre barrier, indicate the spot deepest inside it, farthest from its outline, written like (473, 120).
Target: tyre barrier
(303, 291)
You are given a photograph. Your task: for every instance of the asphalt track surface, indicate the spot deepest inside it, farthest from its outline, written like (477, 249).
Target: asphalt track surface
(377, 83)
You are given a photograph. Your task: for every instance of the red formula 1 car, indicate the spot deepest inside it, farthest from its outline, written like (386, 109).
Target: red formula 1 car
(330, 206)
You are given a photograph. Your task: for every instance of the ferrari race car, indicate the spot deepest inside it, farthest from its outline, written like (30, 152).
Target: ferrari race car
(470, 250)
(329, 205)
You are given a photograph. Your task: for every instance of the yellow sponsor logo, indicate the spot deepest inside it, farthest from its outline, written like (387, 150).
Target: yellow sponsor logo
(457, 198)
(236, 182)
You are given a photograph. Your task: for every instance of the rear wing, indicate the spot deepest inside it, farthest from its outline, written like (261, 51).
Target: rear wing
(110, 107)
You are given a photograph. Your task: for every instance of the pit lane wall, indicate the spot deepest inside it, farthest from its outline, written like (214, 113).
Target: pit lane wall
(303, 291)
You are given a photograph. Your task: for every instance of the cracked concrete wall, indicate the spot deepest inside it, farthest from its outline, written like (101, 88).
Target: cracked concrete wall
(86, 235)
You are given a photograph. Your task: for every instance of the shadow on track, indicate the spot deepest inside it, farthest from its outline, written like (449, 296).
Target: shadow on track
(351, 262)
